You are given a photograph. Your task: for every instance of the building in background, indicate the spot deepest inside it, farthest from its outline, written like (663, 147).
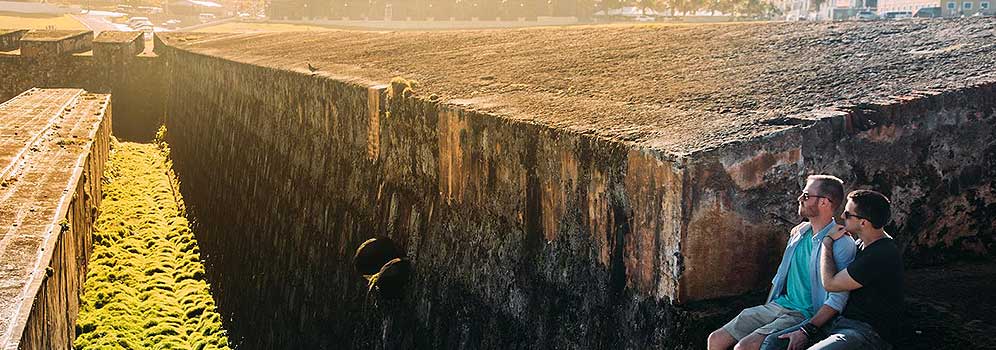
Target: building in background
(819, 10)
(949, 8)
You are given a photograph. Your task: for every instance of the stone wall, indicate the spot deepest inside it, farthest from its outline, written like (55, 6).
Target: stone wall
(932, 153)
(135, 81)
(47, 315)
(521, 235)
(51, 43)
(138, 94)
(71, 71)
(10, 39)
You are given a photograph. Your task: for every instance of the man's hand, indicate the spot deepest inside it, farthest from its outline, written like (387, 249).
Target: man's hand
(797, 339)
(837, 232)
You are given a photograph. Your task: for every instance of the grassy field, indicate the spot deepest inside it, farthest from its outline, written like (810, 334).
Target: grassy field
(244, 27)
(145, 287)
(12, 20)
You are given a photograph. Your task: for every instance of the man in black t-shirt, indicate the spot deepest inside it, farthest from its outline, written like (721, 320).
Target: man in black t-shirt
(874, 312)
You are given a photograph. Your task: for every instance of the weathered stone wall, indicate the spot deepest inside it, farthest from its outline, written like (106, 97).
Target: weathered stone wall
(71, 71)
(521, 235)
(44, 43)
(138, 94)
(136, 82)
(10, 39)
(49, 321)
(932, 153)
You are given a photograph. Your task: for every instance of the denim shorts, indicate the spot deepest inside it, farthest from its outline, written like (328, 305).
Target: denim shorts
(762, 319)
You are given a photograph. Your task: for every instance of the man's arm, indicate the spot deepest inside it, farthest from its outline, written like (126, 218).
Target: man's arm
(834, 281)
(823, 315)
(800, 338)
(844, 250)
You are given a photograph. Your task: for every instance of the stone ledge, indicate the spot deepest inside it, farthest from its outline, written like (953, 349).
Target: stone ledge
(49, 208)
(10, 38)
(51, 43)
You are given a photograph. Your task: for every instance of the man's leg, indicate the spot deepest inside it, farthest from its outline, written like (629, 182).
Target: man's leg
(720, 339)
(850, 334)
(842, 339)
(740, 327)
(772, 342)
(791, 320)
(750, 342)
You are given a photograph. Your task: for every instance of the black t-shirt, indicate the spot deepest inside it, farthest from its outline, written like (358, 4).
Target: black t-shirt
(879, 301)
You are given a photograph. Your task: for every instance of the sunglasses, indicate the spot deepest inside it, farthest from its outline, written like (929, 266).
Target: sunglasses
(805, 196)
(849, 215)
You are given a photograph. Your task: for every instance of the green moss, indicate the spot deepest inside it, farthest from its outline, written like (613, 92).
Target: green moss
(145, 288)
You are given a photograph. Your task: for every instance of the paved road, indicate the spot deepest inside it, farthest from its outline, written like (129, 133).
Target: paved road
(98, 22)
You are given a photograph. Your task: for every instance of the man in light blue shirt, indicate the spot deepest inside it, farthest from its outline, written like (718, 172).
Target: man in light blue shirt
(797, 292)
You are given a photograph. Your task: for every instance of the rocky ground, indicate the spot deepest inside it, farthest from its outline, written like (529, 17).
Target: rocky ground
(947, 307)
(676, 88)
(951, 307)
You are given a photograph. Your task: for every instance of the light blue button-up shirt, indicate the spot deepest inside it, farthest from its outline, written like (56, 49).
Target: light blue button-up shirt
(843, 253)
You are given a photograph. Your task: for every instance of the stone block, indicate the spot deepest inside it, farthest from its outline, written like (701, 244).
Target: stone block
(116, 46)
(53, 43)
(10, 39)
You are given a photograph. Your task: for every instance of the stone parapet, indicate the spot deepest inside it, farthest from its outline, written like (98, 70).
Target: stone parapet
(115, 47)
(54, 43)
(51, 197)
(10, 39)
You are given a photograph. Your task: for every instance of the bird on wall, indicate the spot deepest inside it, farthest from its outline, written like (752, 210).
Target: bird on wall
(312, 68)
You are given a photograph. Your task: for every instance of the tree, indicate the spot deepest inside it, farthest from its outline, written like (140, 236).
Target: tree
(648, 4)
(607, 5)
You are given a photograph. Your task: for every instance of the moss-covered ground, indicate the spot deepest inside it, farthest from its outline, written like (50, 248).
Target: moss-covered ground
(145, 288)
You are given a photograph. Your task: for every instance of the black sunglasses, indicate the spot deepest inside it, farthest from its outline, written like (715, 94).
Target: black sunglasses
(849, 215)
(805, 196)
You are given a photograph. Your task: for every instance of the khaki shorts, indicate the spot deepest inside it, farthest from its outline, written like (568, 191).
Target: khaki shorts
(763, 319)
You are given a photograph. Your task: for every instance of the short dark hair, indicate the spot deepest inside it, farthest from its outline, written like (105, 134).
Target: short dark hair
(831, 187)
(872, 206)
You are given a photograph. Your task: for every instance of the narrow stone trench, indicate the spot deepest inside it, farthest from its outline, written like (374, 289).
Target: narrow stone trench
(145, 287)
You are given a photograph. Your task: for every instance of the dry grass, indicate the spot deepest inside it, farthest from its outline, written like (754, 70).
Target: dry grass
(12, 20)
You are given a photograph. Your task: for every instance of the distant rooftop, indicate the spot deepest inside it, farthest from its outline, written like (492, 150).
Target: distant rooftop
(671, 88)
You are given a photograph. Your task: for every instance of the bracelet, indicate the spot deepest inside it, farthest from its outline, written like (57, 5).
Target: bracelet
(810, 330)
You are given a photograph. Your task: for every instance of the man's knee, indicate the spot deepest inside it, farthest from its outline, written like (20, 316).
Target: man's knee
(720, 339)
(842, 340)
(750, 342)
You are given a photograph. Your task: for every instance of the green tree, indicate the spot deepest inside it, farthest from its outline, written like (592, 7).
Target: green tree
(691, 6)
(607, 5)
(648, 4)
